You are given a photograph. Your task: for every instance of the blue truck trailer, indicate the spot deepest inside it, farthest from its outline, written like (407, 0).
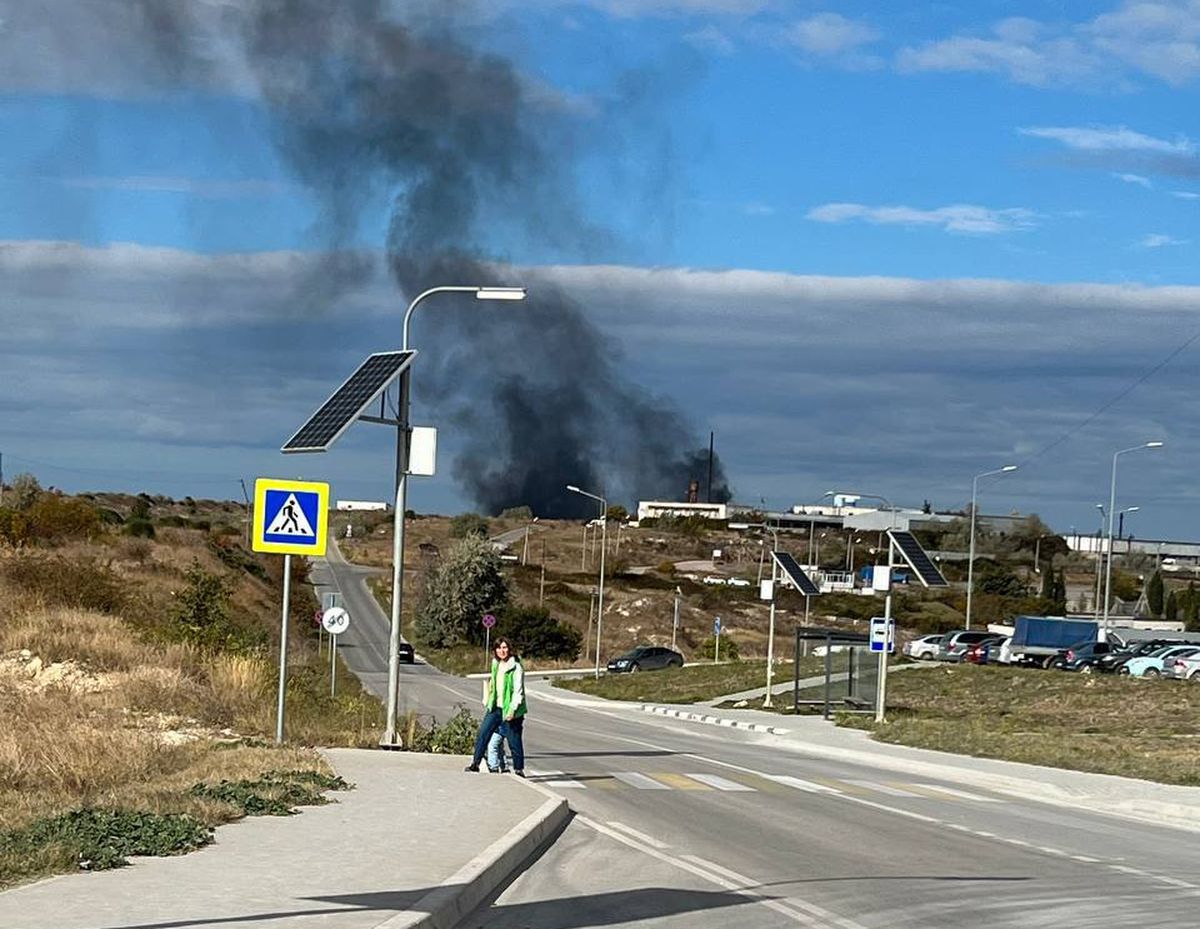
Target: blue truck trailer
(1039, 639)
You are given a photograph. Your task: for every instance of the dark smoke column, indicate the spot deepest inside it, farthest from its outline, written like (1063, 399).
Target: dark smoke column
(364, 105)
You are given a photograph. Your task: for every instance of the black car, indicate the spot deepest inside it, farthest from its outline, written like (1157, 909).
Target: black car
(646, 658)
(406, 654)
(1083, 656)
(1116, 659)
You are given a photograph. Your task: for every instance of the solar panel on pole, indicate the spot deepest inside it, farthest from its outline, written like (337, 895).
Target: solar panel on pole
(348, 402)
(911, 551)
(792, 570)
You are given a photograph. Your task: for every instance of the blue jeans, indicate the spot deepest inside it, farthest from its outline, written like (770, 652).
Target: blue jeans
(512, 732)
(488, 725)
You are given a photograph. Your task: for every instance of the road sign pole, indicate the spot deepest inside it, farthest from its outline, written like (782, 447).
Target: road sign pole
(332, 665)
(487, 646)
(390, 737)
(881, 695)
(283, 646)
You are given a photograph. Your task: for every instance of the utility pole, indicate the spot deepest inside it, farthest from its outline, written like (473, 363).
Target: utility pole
(246, 497)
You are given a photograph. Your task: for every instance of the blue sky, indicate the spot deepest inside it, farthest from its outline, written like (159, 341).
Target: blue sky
(873, 247)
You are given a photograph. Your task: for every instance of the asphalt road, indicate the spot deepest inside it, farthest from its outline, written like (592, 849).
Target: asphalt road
(684, 825)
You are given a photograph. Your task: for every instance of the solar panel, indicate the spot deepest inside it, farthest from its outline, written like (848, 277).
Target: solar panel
(336, 414)
(796, 574)
(910, 549)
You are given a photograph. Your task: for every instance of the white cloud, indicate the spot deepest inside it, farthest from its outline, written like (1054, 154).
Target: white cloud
(1159, 39)
(1134, 179)
(830, 34)
(711, 39)
(1158, 240)
(1104, 139)
(1185, 194)
(959, 217)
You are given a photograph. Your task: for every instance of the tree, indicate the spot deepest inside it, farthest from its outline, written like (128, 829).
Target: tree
(1171, 611)
(517, 512)
(536, 634)
(1154, 593)
(459, 589)
(467, 524)
(618, 512)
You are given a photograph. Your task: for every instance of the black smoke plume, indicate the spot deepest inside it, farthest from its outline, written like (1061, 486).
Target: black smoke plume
(366, 107)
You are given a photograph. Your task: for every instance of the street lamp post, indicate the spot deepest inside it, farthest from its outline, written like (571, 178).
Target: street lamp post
(402, 436)
(1112, 506)
(767, 704)
(971, 555)
(603, 544)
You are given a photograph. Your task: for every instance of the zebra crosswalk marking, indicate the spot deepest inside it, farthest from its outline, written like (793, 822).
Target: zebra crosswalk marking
(682, 782)
(938, 789)
(557, 779)
(883, 788)
(720, 783)
(638, 780)
(800, 784)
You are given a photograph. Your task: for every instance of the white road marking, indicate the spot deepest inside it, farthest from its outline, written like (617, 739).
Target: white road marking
(713, 780)
(640, 781)
(707, 875)
(640, 836)
(1085, 859)
(883, 788)
(955, 792)
(801, 784)
(556, 779)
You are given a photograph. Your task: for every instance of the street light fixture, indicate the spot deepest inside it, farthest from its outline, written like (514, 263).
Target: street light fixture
(481, 293)
(1112, 506)
(971, 555)
(603, 544)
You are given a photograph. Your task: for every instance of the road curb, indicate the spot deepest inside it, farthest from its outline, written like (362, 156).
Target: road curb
(463, 891)
(711, 720)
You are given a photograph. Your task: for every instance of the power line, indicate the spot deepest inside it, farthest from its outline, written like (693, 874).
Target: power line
(1133, 385)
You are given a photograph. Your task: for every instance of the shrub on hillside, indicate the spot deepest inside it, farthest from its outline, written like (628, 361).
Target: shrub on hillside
(517, 512)
(83, 583)
(466, 524)
(56, 518)
(23, 492)
(537, 634)
(139, 527)
(201, 615)
(14, 526)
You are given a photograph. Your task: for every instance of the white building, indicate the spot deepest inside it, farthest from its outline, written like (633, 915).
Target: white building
(653, 509)
(377, 505)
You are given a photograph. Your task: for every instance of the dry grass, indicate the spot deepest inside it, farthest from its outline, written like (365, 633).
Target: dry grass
(688, 685)
(1106, 724)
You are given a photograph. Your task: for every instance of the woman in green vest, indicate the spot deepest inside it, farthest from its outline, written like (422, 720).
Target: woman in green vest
(508, 688)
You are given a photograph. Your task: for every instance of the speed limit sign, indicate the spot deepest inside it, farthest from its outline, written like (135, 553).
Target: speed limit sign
(335, 620)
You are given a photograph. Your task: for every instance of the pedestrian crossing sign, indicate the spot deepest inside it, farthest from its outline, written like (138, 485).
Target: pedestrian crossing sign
(290, 517)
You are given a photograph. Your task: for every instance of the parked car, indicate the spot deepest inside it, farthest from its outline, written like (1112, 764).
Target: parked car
(1183, 667)
(1082, 656)
(646, 658)
(715, 579)
(986, 652)
(924, 648)
(955, 644)
(1152, 665)
(1112, 662)
(406, 654)
(739, 582)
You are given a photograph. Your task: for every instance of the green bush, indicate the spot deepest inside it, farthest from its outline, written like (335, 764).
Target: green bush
(175, 522)
(517, 512)
(466, 524)
(276, 793)
(200, 614)
(455, 737)
(14, 526)
(729, 648)
(56, 518)
(101, 839)
(537, 634)
(139, 527)
(81, 583)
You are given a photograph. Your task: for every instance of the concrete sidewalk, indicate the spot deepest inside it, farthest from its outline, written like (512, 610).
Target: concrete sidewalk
(417, 843)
